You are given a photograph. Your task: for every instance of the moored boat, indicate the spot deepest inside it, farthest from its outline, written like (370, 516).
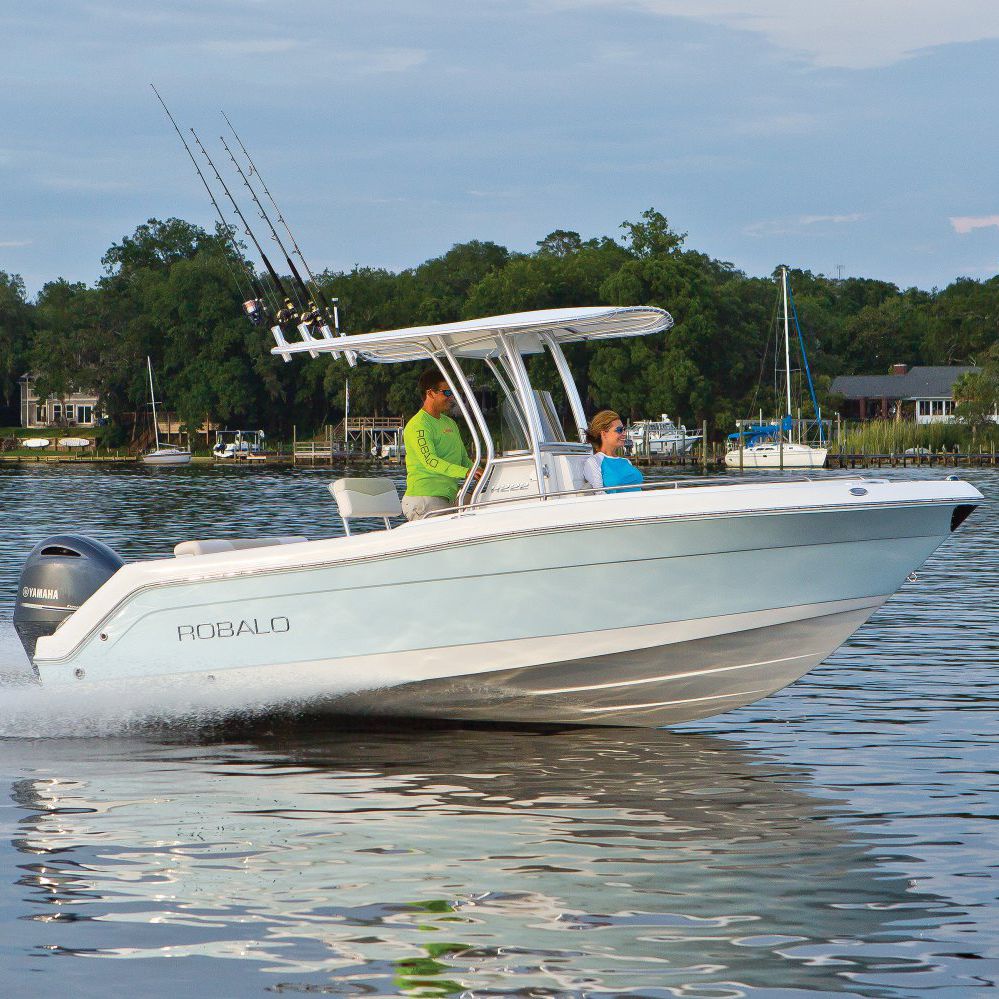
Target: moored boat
(660, 437)
(239, 444)
(162, 454)
(772, 445)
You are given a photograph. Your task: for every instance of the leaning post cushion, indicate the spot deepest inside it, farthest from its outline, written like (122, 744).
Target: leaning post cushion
(365, 498)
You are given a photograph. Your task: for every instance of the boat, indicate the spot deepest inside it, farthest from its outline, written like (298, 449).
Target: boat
(532, 600)
(778, 454)
(239, 444)
(662, 437)
(36, 442)
(162, 454)
(72, 442)
(394, 449)
(771, 445)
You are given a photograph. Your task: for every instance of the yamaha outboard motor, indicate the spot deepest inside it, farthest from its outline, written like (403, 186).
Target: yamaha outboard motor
(60, 574)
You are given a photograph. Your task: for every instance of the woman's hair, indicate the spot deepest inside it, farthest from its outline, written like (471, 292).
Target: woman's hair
(604, 420)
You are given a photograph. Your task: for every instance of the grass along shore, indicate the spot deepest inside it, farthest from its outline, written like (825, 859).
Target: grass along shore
(896, 437)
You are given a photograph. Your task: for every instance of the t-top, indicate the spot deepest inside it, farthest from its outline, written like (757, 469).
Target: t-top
(436, 459)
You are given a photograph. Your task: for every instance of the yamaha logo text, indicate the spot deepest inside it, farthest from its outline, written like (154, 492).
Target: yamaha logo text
(36, 593)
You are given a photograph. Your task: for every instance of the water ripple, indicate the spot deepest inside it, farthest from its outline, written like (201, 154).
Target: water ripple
(838, 838)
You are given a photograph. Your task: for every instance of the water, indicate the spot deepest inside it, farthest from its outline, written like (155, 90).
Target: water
(838, 838)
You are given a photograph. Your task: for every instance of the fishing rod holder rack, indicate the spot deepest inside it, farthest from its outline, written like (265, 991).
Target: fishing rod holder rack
(306, 332)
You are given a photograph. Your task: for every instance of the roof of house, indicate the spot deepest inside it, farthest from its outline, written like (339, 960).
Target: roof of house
(917, 383)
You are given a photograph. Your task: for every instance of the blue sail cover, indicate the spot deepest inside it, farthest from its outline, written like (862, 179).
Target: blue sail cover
(761, 433)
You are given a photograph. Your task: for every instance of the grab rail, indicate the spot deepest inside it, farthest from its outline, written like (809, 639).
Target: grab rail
(700, 481)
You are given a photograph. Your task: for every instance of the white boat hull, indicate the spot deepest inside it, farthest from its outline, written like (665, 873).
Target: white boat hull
(680, 678)
(674, 446)
(774, 456)
(641, 609)
(167, 456)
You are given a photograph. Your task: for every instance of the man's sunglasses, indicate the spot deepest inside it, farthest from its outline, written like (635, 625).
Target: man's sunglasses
(446, 392)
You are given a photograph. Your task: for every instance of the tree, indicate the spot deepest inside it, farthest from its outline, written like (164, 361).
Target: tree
(560, 243)
(57, 350)
(977, 392)
(174, 291)
(652, 236)
(16, 318)
(963, 322)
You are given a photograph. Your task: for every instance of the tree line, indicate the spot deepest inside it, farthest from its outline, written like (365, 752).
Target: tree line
(172, 290)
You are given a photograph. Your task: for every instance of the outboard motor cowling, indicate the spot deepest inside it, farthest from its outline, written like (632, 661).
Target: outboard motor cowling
(60, 574)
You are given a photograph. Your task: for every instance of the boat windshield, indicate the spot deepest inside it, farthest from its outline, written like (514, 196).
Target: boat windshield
(513, 433)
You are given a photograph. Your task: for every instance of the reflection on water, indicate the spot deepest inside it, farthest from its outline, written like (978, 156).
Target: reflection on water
(838, 838)
(490, 861)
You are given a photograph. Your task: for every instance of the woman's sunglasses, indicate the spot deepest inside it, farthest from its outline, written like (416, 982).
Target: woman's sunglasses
(618, 429)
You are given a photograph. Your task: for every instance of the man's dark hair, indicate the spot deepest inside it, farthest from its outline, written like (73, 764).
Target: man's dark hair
(430, 379)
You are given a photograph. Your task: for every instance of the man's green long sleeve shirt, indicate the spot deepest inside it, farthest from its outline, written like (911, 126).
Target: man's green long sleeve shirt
(436, 459)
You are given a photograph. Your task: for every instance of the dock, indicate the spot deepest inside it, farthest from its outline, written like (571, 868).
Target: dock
(714, 456)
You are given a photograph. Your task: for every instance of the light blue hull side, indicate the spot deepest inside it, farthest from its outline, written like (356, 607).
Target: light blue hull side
(433, 616)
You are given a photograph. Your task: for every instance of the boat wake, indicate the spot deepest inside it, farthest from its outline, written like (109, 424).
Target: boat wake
(29, 710)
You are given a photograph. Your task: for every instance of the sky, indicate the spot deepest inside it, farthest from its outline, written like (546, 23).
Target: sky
(854, 138)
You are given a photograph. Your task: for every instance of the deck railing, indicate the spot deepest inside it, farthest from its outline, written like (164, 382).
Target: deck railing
(642, 487)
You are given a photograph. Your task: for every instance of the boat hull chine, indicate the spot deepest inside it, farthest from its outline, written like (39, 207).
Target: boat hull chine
(653, 686)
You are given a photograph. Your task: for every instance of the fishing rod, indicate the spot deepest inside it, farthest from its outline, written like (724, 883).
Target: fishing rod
(312, 313)
(289, 311)
(255, 305)
(310, 316)
(331, 310)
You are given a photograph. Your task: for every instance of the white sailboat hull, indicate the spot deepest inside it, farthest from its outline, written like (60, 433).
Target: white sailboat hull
(167, 456)
(775, 456)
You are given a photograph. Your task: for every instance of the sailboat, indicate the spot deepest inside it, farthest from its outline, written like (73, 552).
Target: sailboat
(770, 445)
(162, 454)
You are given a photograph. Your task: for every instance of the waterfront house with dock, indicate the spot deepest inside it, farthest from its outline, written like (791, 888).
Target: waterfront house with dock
(78, 409)
(918, 394)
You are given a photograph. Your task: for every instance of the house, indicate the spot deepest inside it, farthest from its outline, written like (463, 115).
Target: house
(79, 409)
(918, 394)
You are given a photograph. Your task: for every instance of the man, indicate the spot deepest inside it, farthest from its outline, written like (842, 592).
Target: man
(436, 459)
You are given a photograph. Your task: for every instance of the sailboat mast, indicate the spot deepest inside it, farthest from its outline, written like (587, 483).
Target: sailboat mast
(787, 341)
(152, 395)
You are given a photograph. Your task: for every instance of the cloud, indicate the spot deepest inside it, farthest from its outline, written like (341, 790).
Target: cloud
(837, 219)
(56, 182)
(782, 123)
(849, 34)
(964, 224)
(250, 46)
(356, 62)
(800, 223)
(494, 194)
(397, 60)
(9, 244)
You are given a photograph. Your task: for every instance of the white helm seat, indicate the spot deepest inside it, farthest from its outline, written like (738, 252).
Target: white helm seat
(359, 498)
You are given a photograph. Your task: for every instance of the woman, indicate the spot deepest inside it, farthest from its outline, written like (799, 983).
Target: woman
(604, 469)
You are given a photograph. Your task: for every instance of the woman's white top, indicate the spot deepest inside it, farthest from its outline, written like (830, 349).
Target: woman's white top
(592, 473)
